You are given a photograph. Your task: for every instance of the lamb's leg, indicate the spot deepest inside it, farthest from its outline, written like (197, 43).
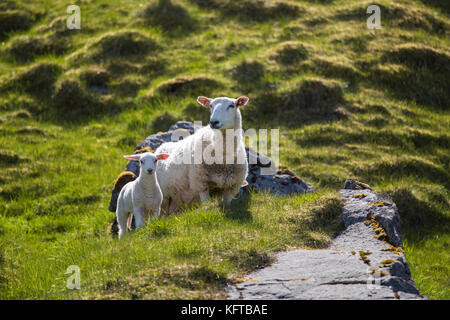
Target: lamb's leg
(122, 222)
(157, 212)
(204, 196)
(138, 216)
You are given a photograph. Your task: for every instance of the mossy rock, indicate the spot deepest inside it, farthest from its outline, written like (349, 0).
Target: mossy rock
(169, 15)
(356, 185)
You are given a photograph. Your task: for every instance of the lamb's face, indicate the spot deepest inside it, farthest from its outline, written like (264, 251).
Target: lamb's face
(147, 161)
(224, 111)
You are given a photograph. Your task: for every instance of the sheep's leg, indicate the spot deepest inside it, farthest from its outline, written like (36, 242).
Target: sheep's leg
(138, 216)
(227, 197)
(172, 207)
(122, 222)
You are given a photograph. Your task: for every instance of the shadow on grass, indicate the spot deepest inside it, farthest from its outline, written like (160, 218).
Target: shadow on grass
(420, 219)
(415, 72)
(239, 209)
(312, 100)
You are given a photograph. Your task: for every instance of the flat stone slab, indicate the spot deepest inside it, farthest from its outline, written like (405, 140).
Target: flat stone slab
(359, 264)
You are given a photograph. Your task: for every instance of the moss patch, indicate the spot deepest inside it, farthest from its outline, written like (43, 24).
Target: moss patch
(143, 149)
(387, 261)
(376, 227)
(122, 179)
(363, 255)
(380, 203)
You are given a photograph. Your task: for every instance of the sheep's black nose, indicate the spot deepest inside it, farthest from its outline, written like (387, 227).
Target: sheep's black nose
(149, 171)
(214, 124)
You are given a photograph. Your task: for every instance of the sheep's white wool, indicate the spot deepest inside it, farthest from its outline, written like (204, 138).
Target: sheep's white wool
(188, 175)
(141, 196)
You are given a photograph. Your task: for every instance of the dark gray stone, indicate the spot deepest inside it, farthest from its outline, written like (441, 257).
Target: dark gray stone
(339, 272)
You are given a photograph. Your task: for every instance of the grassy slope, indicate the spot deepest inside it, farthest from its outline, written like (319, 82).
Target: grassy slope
(61, 145)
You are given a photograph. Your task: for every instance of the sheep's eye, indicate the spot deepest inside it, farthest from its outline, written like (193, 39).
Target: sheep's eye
(230, 106)
(142, 162)
(156, 160)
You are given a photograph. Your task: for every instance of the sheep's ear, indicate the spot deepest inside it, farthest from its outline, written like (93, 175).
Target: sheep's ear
(162, 156)
(135, 157)
(241, 101)
(204, 101)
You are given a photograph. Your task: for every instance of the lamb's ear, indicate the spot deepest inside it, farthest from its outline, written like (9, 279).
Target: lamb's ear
(204, 101)
(135, 157)
(162, 156)
(241, 101)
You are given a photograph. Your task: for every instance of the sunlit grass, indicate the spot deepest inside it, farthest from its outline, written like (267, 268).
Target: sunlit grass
(57, 164)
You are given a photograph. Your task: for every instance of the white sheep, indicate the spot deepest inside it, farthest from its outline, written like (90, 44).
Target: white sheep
(189, 175)
(141, 196)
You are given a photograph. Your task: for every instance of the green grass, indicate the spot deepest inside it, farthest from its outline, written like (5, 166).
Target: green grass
(61, 143)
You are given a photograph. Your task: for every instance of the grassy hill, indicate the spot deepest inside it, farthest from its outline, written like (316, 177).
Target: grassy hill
(349, 102)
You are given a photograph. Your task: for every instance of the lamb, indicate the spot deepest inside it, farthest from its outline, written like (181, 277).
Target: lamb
(142, 195)
(189, 175)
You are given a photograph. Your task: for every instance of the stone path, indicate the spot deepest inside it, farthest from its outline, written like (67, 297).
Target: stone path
(365, 261)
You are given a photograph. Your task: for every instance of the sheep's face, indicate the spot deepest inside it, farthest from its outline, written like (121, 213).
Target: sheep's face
(147, 161)
(224, 111)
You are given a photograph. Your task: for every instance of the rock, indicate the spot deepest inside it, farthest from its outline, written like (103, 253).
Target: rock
(352, 184)
(357, 265)
(280, 183)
